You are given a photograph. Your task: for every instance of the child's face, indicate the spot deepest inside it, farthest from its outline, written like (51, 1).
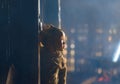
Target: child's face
(62, 43)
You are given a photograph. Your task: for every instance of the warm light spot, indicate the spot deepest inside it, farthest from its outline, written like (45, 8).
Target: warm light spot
(100, 31)
(72, 60)
(99, 71)
(72, 46)
(98, 54)
(72, 52)
(109, 38)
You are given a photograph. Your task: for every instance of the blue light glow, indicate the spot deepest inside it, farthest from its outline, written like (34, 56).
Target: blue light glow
(117, 54)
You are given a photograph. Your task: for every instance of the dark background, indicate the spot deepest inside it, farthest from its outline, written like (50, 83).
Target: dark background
(18, 40)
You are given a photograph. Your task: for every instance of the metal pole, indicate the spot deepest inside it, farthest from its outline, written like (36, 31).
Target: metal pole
(59, 14)
(39, 26)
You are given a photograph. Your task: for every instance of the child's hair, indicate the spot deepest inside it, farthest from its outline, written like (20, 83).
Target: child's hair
(50, 36)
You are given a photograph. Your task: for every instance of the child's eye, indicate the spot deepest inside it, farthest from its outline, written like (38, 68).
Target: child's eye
(63, 42)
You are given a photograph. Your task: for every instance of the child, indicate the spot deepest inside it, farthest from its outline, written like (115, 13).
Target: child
(53, 68)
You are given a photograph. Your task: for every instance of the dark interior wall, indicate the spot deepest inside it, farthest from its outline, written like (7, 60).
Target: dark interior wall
(18, 40)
